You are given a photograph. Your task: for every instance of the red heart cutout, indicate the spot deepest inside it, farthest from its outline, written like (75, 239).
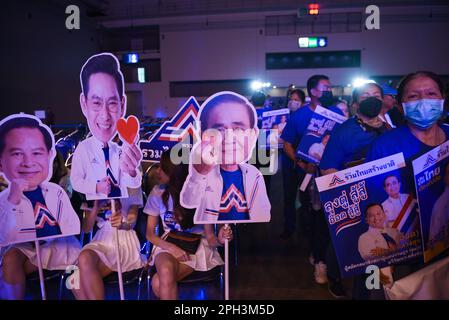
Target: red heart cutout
(128, 128)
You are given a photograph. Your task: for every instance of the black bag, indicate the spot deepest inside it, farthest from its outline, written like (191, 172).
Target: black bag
(189, 242)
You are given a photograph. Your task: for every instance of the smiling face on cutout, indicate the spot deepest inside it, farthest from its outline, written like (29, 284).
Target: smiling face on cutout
(237, 138)
(103, 106)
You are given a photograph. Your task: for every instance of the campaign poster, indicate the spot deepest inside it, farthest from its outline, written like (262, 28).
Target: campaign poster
(431, 172)
(273, 124)
(372, 217)
(31, 207)
(180, 129)
(312, 145)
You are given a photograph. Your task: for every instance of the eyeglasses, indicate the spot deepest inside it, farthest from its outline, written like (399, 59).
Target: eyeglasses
(96, 105)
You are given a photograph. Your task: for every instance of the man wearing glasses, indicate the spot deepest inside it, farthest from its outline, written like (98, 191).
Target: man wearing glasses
(100, 168)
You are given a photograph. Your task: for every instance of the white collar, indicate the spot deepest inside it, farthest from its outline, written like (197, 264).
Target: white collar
(100, 144)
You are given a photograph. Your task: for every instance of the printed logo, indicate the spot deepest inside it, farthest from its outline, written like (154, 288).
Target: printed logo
(335, 181)
(429, 161)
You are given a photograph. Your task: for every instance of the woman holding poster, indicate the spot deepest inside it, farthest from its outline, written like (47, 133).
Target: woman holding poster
(421, 95)
(172, 259)
(352, 139)
(32, 208)
(99, 258)
(100, 168)
(221, 185)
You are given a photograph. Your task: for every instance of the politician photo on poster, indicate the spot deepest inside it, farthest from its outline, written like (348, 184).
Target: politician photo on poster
(312, 145)
(362, 229)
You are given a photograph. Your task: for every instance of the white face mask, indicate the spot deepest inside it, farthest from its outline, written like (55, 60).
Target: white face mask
(423, 113)
(294, 105)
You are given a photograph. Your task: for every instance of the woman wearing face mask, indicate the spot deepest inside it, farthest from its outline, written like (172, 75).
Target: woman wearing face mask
(421, 97)
(350, 142)
(296, 100)
(347, 146)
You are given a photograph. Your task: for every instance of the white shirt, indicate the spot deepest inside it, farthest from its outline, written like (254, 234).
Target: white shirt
(373, 238)
(204, 192)
(392, 207)
(439, 222)
(89, 167)
(155, 207)
(17, 222)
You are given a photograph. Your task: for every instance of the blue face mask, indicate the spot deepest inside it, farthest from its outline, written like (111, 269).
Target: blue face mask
(423, 113)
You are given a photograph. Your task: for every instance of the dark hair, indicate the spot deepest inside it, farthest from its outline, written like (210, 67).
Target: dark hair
(59, 166)
(356, 92)
(177, 175)
(300, 94)
(428, 74)
(389, 176)
(258, 99)
(102, 63)
(23, 122)
(313, 81)
(224, 98)
(373, 204)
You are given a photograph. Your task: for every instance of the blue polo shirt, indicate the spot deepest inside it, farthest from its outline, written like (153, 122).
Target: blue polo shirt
(348, 142)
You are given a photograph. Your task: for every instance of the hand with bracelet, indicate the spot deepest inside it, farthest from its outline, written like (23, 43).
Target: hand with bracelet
(120, 222)
(224, 233)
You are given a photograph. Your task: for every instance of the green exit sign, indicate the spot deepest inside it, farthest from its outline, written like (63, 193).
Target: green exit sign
(312, 42)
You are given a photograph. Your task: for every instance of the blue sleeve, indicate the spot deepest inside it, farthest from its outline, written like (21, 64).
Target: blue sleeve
(333, 156)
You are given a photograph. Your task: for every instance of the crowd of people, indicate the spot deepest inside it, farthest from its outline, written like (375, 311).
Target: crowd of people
(380, 122)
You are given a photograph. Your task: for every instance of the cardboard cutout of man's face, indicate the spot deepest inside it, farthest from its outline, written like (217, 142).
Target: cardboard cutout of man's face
(102, 104)
(229, 124)
(25, 155)
(105, 170)
(26, 162)
(229, 129)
